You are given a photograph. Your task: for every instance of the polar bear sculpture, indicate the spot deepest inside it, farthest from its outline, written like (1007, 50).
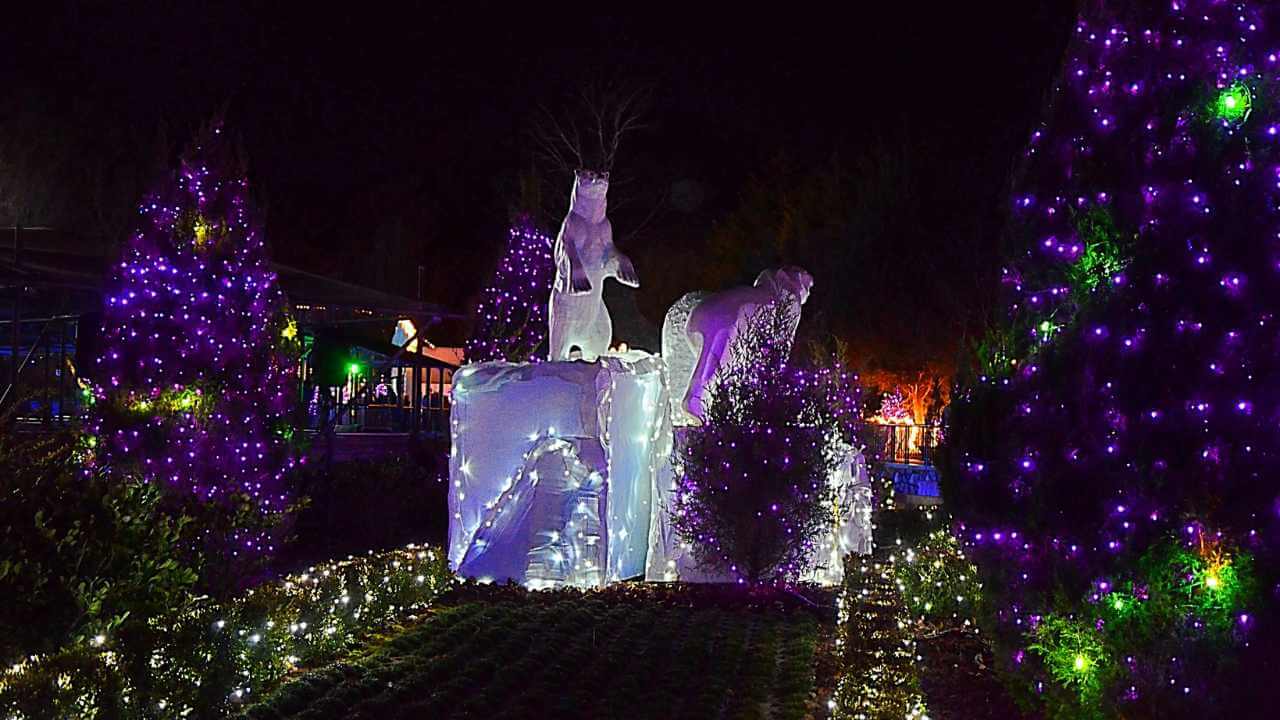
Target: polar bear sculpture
(585, 256)
(700, 327)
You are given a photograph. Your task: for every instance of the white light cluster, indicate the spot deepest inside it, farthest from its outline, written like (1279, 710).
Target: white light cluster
(270, 625)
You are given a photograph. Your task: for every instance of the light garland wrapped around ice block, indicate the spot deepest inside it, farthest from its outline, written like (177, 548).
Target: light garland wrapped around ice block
(671, 560)
(553, 467)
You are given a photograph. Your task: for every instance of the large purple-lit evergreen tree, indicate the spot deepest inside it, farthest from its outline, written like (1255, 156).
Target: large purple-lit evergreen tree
(1115, 461)
(194, 381)
(510, 320)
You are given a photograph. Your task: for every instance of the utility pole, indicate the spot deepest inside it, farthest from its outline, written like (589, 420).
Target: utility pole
(15, 332)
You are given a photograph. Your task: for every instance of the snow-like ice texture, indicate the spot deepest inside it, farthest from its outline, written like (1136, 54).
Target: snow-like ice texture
(553, 469)
(699, 329)
(671, 559)
(585, 256)
(852, 532)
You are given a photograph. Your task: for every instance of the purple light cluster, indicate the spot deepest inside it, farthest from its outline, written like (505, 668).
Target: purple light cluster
(1157, 397)
(192, 385)
(510, 320)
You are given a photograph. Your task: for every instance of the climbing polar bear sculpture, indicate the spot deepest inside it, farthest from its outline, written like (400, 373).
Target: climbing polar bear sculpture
(700, 328)
(585, 256)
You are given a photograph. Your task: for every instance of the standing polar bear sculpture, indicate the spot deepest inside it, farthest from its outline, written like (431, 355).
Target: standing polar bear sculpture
(700, 328)
(585, 256)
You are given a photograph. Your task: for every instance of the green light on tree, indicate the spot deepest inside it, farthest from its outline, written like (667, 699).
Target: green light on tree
(353, 369)
(1233, 104)
(171, 401)
(1074, 654)
(1207, 579)
(1106, 252)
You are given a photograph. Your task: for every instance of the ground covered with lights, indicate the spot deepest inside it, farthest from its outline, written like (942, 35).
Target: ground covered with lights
(629, 651)
(892, 642)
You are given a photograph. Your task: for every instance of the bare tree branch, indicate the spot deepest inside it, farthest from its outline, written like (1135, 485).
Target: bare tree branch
(607, 111)
(559, 145)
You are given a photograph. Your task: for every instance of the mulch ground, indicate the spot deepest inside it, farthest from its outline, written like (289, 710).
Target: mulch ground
(959, 681)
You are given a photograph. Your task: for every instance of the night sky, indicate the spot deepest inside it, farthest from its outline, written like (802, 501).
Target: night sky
(378, 141)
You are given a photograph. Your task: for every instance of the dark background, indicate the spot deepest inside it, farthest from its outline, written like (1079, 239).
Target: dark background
(381, 140)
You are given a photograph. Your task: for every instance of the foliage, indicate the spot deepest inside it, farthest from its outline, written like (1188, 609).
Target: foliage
(85, 555)
(510, 319)
(1184, 600)
(865, 218)
(1050, 296)
(634, 652)
(407, 498)
(1075, 657)
(208, 658)
(1104, 256)
(879, 678)
(936, 579)
(916, 397)
(753, 495)
(193, 384)
(66, 168)
(1130, 395)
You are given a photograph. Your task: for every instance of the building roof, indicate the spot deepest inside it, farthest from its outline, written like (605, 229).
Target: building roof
(353, 337)
(310, 289)
(57, 264)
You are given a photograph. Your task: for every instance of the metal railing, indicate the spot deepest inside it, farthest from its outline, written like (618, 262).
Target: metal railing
(904, 444)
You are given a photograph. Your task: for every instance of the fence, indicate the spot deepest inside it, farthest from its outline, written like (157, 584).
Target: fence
(903, 444)
(36, 367)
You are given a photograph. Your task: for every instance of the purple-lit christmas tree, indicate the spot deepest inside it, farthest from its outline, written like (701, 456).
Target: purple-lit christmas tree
(511, 317)
(753, 496)
(895, 408)
(1116, 460)
(193, 385)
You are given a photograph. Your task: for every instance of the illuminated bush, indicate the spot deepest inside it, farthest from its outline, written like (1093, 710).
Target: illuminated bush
(936, 579)
(207, 659)
(753, 496)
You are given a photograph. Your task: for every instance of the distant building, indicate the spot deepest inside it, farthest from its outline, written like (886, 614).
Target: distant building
(354, 376)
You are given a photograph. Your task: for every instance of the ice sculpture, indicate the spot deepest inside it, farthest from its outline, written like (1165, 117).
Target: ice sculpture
(670, 559)
(852, 530)
(700, 327)
(585, 256)
(553, 468)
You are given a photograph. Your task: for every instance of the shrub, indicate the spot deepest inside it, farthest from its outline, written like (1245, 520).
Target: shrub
(88, 558)
(936, 579)
(510, 318)
(360, 505)
(210, 658)
(753, 496)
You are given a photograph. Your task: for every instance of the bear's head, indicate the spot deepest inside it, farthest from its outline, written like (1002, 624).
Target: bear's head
(590, 183)
(589, 190)
(789, 279)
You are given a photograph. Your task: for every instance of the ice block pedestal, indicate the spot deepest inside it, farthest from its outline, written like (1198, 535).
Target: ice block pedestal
(553, 467)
